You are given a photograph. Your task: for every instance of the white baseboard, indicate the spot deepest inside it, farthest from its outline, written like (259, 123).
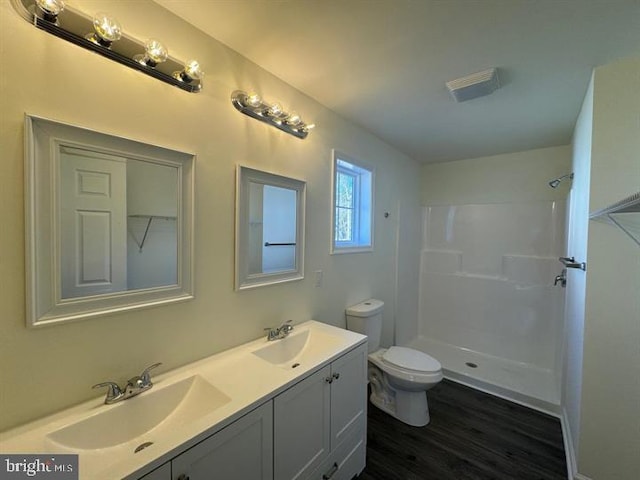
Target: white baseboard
(569, 451)
(515, 397)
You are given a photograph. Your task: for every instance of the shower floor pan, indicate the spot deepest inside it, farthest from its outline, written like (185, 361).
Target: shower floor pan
(521, 383)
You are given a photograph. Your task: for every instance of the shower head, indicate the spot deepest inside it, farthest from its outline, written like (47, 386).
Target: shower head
(556, 181)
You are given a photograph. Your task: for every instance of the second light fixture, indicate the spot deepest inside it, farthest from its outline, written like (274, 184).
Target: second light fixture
(253, 105)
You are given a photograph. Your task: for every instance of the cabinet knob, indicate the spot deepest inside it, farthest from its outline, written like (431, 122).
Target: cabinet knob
(336, 376)
(328, 379)
(183, 477)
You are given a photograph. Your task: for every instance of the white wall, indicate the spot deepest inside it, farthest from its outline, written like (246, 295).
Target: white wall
(47, 369)
(609, 436)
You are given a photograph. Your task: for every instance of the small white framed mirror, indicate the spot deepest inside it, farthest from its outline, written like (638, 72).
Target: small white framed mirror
(270, 212)
(109, 223)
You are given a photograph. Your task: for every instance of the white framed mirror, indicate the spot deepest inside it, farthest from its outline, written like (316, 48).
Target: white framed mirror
(109, 223)
(270, 212)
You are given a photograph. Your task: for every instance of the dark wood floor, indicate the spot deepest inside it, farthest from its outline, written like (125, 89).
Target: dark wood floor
(471, 436)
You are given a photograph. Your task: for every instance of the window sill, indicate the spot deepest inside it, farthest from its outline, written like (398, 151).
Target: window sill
(341, 250)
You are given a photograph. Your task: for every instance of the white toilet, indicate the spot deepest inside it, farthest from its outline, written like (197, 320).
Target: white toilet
(399, 376)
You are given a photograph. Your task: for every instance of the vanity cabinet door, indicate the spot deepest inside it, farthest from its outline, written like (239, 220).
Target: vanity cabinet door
(348, 394)
(302, 439)
(242, 450)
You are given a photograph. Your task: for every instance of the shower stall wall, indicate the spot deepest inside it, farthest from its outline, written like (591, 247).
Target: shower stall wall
(489, 310)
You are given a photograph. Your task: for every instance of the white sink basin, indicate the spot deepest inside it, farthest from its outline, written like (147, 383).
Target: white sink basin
(144, 417)
(298, 348)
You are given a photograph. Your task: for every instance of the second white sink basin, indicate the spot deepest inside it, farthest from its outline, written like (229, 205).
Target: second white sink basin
(150, 415)
(297, 348)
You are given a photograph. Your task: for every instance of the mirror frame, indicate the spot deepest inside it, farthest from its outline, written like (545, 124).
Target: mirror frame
(243, 279)
(44, 304)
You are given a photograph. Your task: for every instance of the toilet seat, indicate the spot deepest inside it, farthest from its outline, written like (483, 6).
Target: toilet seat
(410, 359)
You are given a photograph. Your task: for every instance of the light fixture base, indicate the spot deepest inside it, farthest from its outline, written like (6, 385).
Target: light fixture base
(260, 111)
(73, 26)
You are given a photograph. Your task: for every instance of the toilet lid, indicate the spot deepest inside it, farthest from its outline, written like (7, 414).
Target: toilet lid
(404, 357)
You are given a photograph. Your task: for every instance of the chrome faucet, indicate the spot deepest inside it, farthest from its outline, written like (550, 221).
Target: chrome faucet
(135, 386)
(281, 332)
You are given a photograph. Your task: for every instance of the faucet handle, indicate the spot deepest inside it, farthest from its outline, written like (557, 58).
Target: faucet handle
(113, 393)
(145, 377)
(272, 333)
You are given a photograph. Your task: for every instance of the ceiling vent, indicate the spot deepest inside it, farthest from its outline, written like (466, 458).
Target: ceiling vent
(474, 85)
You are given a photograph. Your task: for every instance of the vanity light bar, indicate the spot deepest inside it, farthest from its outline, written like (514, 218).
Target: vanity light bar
(102, 34)
(271, 113)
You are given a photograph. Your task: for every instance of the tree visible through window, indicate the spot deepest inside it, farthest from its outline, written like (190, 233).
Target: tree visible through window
(345, 206)
(353, 199)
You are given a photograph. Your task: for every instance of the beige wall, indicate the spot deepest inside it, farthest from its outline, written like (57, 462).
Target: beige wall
(46, 369)
(609, 438)
(511, 177)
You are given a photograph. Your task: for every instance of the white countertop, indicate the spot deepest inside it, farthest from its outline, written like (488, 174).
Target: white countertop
(245, 378)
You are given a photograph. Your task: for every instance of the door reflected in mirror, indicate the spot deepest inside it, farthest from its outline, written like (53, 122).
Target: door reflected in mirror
(269, 228)
(117, 223)
(109, 223)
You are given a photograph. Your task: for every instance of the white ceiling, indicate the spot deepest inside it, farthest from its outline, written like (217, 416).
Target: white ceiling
(383, 64)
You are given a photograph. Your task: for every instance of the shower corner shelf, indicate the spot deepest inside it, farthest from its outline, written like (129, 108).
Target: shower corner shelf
(150, 218)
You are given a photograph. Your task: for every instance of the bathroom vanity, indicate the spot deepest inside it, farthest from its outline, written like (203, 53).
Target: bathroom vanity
(293, 408)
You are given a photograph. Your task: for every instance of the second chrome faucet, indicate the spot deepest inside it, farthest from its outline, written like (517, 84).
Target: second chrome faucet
(281, 332)
(135, 386)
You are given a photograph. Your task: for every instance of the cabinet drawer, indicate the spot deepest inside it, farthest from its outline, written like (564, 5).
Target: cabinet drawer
(346, 461)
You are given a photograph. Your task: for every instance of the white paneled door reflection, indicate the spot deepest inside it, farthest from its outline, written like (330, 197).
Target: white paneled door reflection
(93, 212)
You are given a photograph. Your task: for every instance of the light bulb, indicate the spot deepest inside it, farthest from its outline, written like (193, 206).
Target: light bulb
(192, 71)
(155, 53)
(107, 28)
(293, 119)
(275, 110)
(50, 8)
(308, 127)
(253, 99)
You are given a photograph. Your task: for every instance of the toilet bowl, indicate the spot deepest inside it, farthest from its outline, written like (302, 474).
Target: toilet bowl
(400, 389)
(399, 377)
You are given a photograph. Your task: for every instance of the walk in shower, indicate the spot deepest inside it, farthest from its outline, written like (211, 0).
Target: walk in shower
(489, 310)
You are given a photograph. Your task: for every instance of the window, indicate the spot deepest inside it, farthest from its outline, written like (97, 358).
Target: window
(352, 219)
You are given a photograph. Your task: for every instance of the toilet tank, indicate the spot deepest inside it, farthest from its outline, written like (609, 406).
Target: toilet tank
(366, 318)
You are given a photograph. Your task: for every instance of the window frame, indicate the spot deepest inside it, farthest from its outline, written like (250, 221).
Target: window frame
(361, 170)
